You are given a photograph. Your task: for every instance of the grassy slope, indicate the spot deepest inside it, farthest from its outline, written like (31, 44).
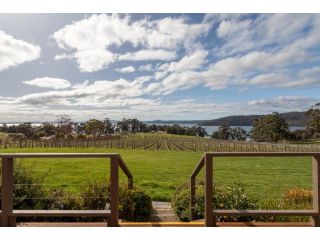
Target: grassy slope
(159, 172)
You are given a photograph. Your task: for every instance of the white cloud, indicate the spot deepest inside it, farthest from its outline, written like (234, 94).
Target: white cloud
(92, 38)
(148, 54)
(47, 82)
(128, 69)
(192, 61)
(14, 52)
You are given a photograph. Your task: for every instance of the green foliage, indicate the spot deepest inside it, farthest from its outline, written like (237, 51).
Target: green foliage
(135, 205)
(96, 195)
(232, 197)
(28, 191)
(94, 127)
(225, 132)
(314, 120)
(299, 199)
(270, 128)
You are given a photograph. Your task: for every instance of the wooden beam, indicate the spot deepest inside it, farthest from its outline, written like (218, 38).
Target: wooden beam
(61, 213)
(7, 193)
(209, 218)
(114, 202)
(316, 190)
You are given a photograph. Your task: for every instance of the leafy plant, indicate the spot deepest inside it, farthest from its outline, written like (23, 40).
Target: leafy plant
(135, 205)
(232, 197)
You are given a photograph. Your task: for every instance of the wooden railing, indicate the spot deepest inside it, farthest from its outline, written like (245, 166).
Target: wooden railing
(8, 214)
(210, 213)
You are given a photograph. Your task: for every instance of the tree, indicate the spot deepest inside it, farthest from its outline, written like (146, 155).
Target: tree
(134, 125)
(200, 131)
(270, 128)
(123, 125)
(314, 120)
(48, 129)
(108, 126)
(64, 124)
(224, 132)
(239, 134)
(94, 127)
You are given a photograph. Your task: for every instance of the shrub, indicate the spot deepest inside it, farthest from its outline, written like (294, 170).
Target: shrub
(96, 195)
(300, 199)
(59, 199)
(29, 193)
(135, 205)
(233, 197)
(298, 196)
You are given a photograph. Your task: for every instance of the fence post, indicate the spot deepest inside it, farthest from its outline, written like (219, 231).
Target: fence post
(209, 218)
(192, 196)
(316, 190)
(7, 193)
(114, 202)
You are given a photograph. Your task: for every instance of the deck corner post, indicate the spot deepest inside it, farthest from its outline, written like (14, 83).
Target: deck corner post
(192, 197)
(210, 220)
(315, 220)
(7, 193)
(114, 202)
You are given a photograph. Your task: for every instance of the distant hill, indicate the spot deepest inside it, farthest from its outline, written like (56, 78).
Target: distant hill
(292, 118)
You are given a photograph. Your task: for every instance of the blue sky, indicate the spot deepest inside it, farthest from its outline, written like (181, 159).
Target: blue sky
(156, 66)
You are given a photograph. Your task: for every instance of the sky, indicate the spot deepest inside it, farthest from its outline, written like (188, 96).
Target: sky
(157, 66)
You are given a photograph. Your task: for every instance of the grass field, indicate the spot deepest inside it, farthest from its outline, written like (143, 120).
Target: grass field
(159, 172)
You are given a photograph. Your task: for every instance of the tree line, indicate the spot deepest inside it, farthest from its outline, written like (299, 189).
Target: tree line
(64, 127)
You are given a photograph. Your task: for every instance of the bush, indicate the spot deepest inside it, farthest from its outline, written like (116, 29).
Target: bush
(96, 195)
(135, 205)
(29, 193)
(299, 199)
(298, 196)
(233, 197)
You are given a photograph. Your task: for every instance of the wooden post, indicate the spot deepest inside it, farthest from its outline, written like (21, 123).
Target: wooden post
(192, 197)
(316, 190)
(209, 218)
(7, 193)
(114, 202)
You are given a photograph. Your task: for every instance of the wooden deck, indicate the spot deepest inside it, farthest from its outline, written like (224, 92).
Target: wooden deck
(165, 224)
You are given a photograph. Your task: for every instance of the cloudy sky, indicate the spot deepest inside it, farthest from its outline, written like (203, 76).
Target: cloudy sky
(156, 66)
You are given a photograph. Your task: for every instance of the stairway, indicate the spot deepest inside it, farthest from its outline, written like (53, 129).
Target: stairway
(163, 212)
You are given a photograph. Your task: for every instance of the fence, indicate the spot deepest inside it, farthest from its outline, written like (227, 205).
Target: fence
(8, 214)
(206, 162)
(157, 142)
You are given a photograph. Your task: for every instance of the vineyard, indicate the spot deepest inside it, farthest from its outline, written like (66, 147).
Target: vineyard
(160, 142)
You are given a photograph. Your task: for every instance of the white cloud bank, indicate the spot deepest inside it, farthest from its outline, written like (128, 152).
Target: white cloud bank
(91, 39)
(14, 52)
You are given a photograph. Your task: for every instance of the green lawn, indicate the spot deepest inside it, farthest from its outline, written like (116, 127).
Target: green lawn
(159, 172)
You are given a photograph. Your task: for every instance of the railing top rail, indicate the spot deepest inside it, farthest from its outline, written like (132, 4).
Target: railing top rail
(57, 155)
(198, 167)
(124, 167)
(261, 154)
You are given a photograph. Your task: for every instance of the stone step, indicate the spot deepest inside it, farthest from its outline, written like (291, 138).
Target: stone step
(162, 212)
